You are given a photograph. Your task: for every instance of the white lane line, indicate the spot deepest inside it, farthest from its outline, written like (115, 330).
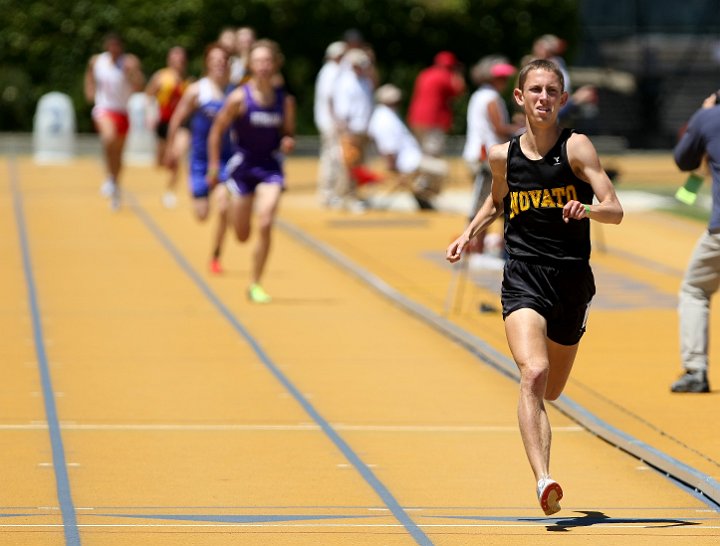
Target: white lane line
(598, 527)
(209, 427)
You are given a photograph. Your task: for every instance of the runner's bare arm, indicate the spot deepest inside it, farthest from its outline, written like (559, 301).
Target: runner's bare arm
(585, 163)
(133, 72)
(491, 209)
(287, 143)
(233, 107)
(89, 80)
(187, 104)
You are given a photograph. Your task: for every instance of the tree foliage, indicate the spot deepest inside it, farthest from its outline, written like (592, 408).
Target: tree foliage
(44, 46)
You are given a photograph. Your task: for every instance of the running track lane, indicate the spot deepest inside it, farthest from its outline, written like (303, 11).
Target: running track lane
(368, 475)
(67, 506)
(64, 494)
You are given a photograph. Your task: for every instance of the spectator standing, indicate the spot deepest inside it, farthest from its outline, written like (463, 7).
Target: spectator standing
(330, 160)
(352, 103)
(430, 115)
(227, 39)
(244, 39)
(702, 276)
(355, 40)
(488, 124)
(551, 48)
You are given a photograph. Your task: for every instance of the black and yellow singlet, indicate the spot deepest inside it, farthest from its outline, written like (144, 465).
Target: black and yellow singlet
(538, 191)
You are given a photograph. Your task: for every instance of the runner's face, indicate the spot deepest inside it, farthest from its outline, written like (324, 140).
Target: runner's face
(262, 62)
(177, 59)
(114, 47)
(245, 40)
(216, 63)
(542, 96)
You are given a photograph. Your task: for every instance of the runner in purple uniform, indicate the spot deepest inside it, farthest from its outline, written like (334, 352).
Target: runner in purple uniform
(261, 117)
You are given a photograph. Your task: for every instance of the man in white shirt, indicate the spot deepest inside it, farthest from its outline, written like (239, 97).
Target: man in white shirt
(402, 152)
(352, 104)
(330, 156)
(488, 124)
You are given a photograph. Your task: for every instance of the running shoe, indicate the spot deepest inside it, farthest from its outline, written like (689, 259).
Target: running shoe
(257, 294)
(215, 266)
(356, 206)
(115, 198)
(691, 381)
(106, 188)
(549, 494)
(423, 203)
(169, 200)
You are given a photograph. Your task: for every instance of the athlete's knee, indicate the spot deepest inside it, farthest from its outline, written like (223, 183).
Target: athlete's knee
(108, 139)
(265, 224)
(265, 220)
(242, 233)
(223, 206)
(534, 378)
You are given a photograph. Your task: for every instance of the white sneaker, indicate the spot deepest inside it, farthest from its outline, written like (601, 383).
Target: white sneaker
(357, 206)
(106, 188)
(115, 198)
(549, 494)
(169, 200)
(334, 203)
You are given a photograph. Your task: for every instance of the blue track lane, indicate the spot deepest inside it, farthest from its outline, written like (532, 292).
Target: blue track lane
(368, 475)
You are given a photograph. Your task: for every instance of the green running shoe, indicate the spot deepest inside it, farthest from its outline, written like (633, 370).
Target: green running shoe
(257, 294)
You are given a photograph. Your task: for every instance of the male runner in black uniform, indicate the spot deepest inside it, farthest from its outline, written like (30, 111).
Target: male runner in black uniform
(544, 182)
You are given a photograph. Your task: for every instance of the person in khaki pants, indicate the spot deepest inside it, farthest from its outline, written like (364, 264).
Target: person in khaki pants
(352, 106)
(702, 276)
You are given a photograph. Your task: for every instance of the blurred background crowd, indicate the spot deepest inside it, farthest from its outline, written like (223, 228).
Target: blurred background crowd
(650, 63)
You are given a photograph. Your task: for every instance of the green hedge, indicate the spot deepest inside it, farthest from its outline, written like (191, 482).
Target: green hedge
(44, 46)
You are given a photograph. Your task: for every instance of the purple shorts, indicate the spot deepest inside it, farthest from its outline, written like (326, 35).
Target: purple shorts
(245, 174)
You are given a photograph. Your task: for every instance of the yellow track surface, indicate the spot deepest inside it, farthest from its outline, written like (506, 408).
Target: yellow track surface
(145, 401)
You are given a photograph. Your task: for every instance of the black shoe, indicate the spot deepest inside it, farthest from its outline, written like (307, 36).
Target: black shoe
(487, 308)
(691, 381)
(423, 204)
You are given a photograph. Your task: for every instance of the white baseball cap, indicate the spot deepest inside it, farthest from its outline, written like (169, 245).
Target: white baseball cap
(335, 50)
(388, 94)
(357, 57)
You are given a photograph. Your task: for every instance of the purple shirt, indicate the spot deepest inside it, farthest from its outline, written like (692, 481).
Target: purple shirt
(257, 133)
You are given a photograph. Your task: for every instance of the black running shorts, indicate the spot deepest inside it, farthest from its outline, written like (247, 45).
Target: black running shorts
(161, 129)
(560, 294)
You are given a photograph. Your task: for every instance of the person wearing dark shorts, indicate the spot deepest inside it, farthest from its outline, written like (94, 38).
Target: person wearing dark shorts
(544, 183)
(562, 295)
(261, 119)
(166, 88)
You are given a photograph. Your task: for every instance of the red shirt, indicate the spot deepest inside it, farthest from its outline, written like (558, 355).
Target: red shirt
(429, 107)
